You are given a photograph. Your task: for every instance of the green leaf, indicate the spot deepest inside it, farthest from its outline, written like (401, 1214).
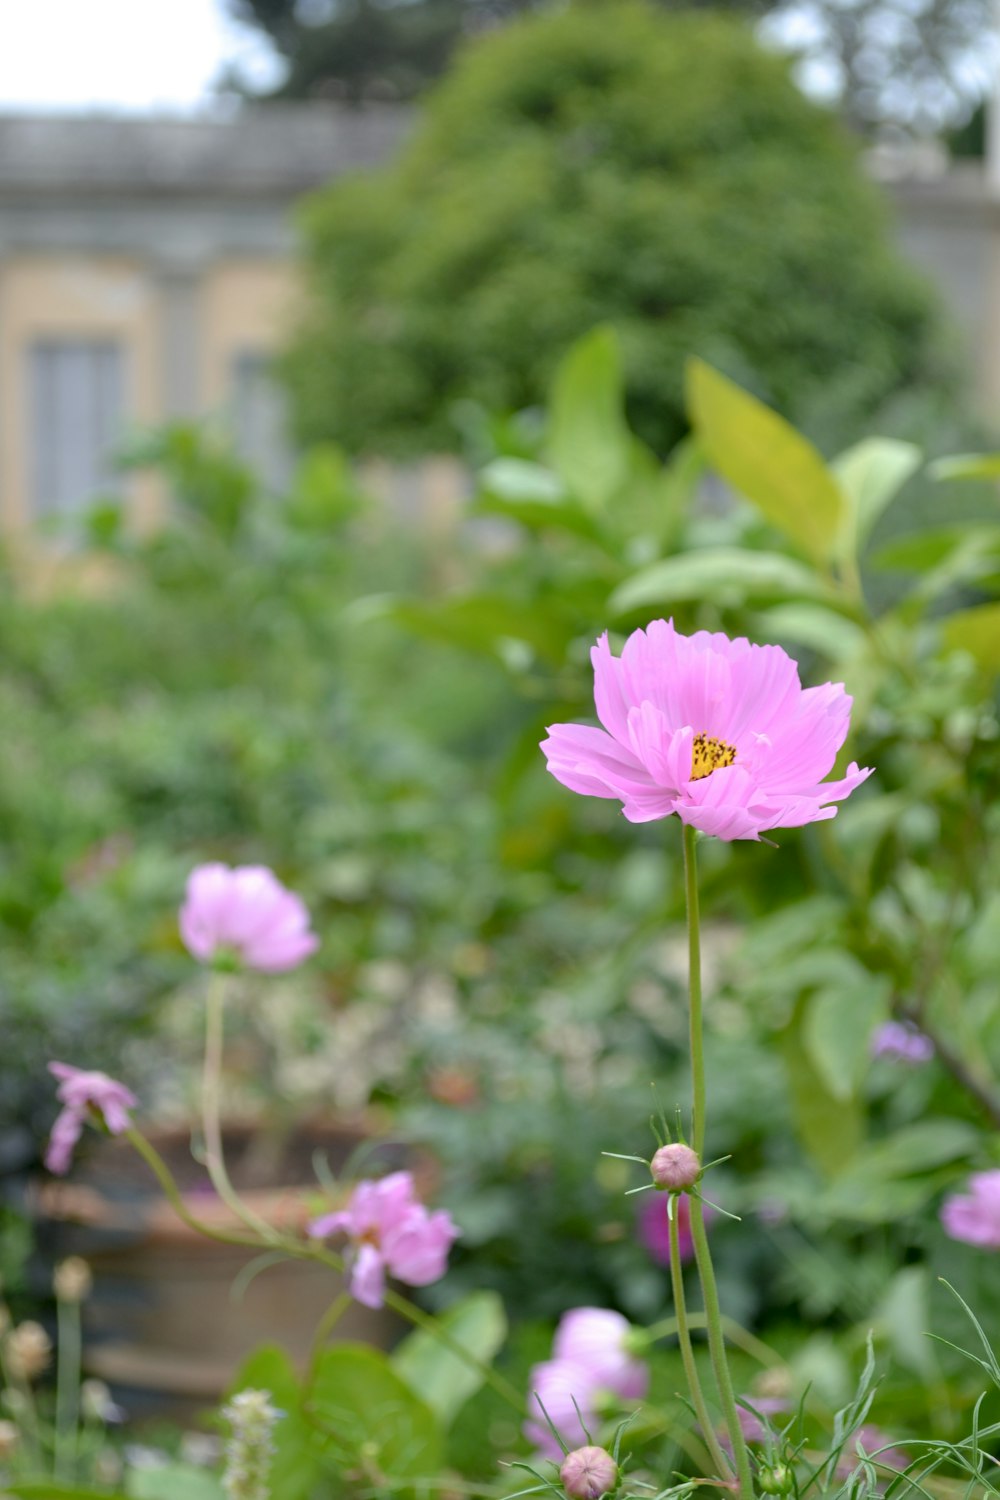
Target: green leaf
(174, 1482)
(482, 623)
(870, 475)
(589, 443)
(762, 456)
(895, 1176)
(919, 1147)
(369, 1413)
(433, 1372)
(904, 1316)
(817, 626)
(830, 1129)
(837, 1026)
(727, 575)
(966, 466)
(518, 480)
(298, 1458)
(51, 1489)
(976, 631)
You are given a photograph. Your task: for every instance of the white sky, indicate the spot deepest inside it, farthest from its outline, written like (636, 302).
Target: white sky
(128, 55)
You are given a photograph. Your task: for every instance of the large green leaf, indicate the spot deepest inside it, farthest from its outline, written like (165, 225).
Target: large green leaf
(726, 575)
(870, 475)
(976, 631)
(762, 456)
(298, 1459)
(830, 1129)
(897, 1175)
(837, 1025)
(904, 1317)
(589, 443)
(443, 1379)
(483, 623)
(534, 497)
(372, 1417)
(817, 626)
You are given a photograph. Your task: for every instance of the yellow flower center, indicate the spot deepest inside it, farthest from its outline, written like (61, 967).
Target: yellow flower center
(707, 755)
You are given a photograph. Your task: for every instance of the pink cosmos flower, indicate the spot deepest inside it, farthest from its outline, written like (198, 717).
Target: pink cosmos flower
(903, 1042)
(720, 732)
(246, 914)
(392, 1232)
(564, 1392)
(975, 1216)
(597, 1340)
(81, 1093)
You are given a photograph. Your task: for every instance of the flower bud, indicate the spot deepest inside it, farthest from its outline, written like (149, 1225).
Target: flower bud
(777, 1481)
(72, 1280)
(675, 1167)
(588, 1473)
(9, 1439)
(27, 1351)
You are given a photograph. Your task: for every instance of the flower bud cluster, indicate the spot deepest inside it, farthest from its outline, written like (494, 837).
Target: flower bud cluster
(251, 1445)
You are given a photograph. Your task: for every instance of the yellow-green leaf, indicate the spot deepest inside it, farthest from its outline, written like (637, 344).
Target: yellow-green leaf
(762, 456)
(976, 631)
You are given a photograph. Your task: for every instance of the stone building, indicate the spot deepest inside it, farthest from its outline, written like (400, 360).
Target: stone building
(146, 274)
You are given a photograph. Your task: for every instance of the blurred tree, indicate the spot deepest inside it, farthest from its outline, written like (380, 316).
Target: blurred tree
(914, 63)
(663, 174)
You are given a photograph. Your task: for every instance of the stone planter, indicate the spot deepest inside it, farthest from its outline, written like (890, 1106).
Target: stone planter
(171, 1318)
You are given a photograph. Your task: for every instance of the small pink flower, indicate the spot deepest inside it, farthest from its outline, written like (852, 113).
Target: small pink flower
(903, 1042)
(391, 1232)
(245, 914)
(975, 1216)
(720, 732)
(565, 1393)
(82, 1093)
(597, 1340)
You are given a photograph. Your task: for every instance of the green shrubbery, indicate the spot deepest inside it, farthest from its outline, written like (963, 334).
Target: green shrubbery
(659, 171)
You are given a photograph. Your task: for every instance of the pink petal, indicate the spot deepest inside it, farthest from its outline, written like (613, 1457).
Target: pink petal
(589, 760)
(66, 1131)
(368, 1277)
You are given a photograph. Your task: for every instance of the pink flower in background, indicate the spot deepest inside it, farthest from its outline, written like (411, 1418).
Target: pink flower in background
(654, 1226)
(597, 1340)
(564, 1392)
(245, 914)
(391, 1232)
(82, 1093)
(720, 732)
(975, 1216)
(903, 1042)
(751, 1426)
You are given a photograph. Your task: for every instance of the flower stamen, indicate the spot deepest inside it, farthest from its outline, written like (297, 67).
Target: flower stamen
(708, 755)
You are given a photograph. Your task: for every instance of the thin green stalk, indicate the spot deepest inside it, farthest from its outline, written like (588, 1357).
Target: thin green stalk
(68, 1353)
(174, 1197)
(324, 1328)
(211, 1091)
(703, 1255)
(687, 1352)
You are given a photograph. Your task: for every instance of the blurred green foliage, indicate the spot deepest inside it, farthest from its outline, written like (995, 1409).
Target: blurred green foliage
(662, 172)
(306, 683)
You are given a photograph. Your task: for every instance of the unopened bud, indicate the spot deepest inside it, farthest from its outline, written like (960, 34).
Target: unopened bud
(588, 1473)
(777, 1481)
(27, 1350)
(9, 1438)
(675, 1167)
(72, 1280)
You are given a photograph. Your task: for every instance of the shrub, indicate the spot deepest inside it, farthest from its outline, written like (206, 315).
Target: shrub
(662, 173)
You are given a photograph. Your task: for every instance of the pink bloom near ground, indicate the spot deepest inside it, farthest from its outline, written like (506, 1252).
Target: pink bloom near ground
(719, 731)
(247, 913)
(79, 1093)
(974, 1216)
(391, 1233)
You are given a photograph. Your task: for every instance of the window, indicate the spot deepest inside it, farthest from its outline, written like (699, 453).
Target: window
(77, 395)
(260, 420)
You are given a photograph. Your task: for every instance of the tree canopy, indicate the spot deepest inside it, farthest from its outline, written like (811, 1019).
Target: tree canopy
(664, 175)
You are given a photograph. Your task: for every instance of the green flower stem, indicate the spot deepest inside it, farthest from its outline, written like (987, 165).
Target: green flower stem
(68, 1354)
(691, 1375)
(175, 1198)
(703, 1256)
(324, 1328)
(211, 1112)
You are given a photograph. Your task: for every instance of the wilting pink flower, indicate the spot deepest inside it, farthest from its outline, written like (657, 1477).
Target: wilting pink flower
(597, 1339)
(902, 1041)
(81, 1094)
(720, 732)
(654, 1226)
(245, 914)
(392, 1232)
(565, 1393)
(975, 1216)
